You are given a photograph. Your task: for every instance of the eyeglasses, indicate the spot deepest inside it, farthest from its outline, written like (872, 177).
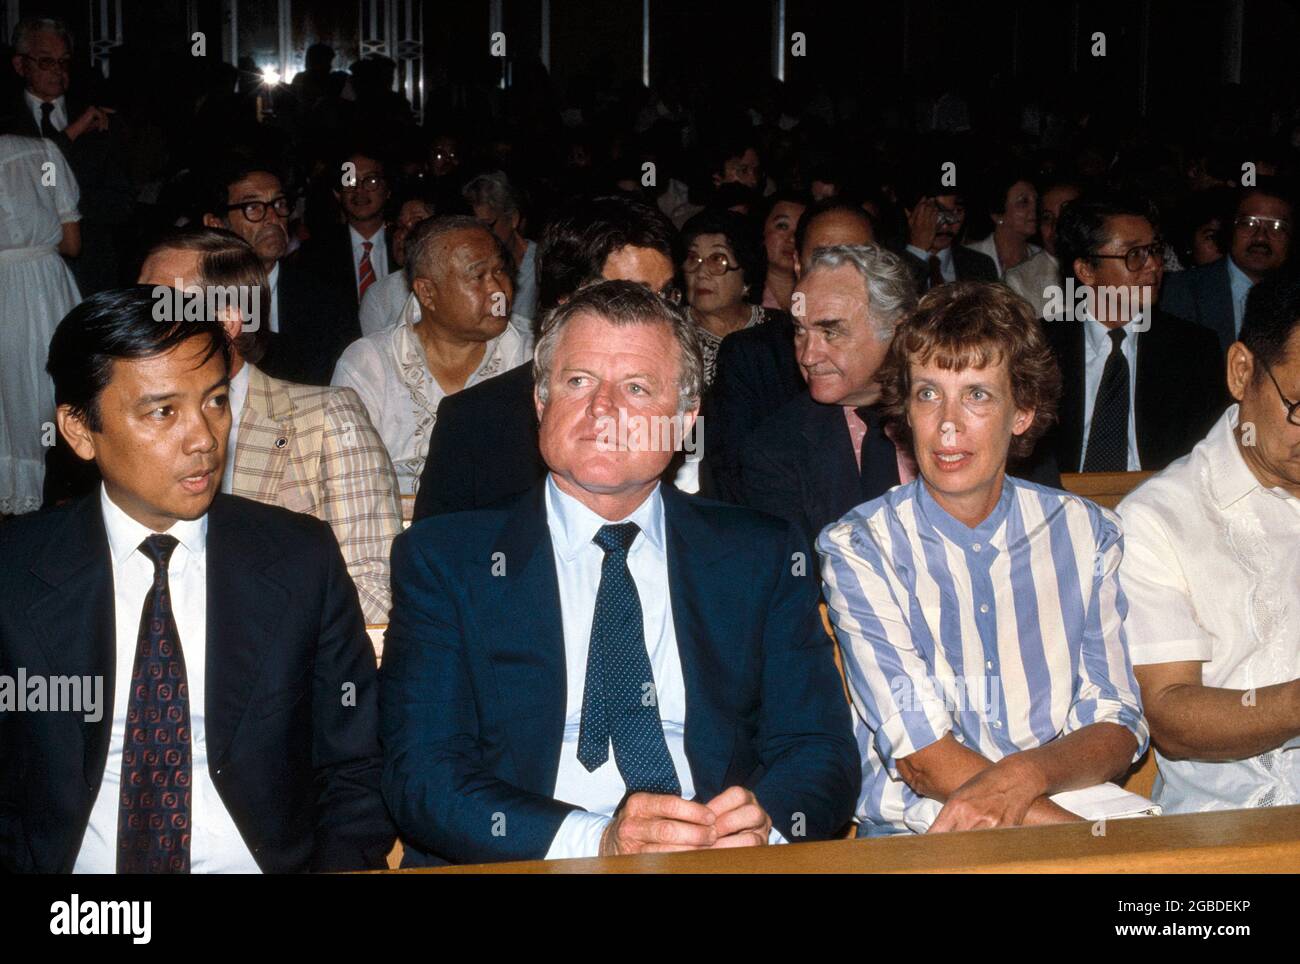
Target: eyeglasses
(1273, 227)
(670, 292)
(716, 264)
(371, 182)
(256, 210)
(63, 64)
(1135, 259)
(1292, 408)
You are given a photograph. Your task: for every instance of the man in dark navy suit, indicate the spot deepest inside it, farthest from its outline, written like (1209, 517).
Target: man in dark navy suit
(605, 665)
(234, 725)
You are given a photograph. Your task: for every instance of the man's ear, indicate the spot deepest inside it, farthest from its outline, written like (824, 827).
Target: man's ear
(1084, 271)
(425, 292)
(78, 435)
(514, 221)
(212, 221)
(538, 404)
(1241, 369)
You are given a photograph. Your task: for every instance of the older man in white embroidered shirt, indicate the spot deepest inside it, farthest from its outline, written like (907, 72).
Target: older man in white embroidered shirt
(454, 333)
(1211, 572)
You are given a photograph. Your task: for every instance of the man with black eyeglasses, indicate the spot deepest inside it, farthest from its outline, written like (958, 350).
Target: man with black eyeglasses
(1257, 237)
(46, 108)
(1140, 387)
(1210, 569)
(311, 318)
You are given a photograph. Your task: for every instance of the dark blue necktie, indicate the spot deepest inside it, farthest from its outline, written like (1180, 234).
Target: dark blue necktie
(1108, 437)
(153, 824)
(619, 701)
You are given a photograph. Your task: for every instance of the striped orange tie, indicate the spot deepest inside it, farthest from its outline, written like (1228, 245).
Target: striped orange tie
(366, 273)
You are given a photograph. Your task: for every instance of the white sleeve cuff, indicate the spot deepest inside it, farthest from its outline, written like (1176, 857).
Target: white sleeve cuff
(774, 837)
(578, 836)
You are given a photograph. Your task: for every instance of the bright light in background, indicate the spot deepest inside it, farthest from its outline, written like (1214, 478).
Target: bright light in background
(270, 76)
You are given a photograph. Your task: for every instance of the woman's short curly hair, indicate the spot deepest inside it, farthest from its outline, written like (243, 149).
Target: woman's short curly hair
(972, 324)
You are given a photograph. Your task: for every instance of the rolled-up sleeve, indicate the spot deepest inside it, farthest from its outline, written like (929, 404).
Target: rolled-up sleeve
(889, 678)
(1105, 690)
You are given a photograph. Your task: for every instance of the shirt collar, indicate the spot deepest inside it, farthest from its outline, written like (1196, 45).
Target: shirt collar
(1237, 280)
(376, 239)
(573, 525)
(125, 534)
(36, 101)
(1232, 480)
(1098, 335)
(238, 393)
(958, 532)
(273, 276)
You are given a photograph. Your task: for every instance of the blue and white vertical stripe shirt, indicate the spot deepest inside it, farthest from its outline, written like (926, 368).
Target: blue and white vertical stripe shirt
(1008, 635)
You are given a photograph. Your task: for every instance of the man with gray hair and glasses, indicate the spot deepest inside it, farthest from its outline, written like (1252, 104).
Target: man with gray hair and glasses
(616, 666)
(44, 107)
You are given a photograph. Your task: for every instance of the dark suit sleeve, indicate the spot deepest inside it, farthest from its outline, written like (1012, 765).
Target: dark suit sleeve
(768, 482)
(445, 801)
(805, 739)
(353, 829)
(447, 482)
(1207, 387)
(729, 417)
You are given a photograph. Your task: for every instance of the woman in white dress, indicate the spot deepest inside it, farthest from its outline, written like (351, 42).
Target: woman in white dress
(38, 223)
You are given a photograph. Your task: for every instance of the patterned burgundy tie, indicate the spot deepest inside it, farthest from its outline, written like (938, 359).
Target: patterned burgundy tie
(366, 273)
(153, 823)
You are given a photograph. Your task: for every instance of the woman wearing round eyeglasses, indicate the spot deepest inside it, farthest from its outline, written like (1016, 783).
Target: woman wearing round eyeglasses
(724, 279)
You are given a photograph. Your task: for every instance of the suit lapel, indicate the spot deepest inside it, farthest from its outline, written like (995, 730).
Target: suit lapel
(1149, 388)
(833, 465)
(698, 614)
(525, 642)
(1073, 374)
(80, 639)
(246, 604)
(266, 437)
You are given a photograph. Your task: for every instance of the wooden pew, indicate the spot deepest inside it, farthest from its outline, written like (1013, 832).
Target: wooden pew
(1266, 840)
(1104, 488)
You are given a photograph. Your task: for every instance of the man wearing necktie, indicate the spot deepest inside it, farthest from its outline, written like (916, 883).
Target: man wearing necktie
(237, 729)
(605, 665)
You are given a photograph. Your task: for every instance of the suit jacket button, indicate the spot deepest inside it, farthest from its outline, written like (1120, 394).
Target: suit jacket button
(281, 442)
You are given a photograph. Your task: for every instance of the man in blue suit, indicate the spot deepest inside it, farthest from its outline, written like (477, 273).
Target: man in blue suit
(604, 665)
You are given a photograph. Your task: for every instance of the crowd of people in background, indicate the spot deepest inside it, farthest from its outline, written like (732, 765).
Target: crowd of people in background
(874, 326)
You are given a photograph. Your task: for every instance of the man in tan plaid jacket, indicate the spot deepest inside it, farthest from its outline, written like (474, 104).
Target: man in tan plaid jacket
(303, 447)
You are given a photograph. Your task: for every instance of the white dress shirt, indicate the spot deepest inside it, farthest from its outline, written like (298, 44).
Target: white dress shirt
(1210, 570)
(390, 373)
(272, 279)
(578, 563)
(215, 843)
(989, 247)
(1096, 349)
(383, 302)
(378, 255)
(238, 394)
(58, 116)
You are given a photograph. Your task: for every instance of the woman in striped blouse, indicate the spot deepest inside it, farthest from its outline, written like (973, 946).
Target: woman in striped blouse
(980, 616)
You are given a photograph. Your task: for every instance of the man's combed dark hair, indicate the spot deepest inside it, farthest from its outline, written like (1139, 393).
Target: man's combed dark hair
(974, 324)
(1272, 317)
(579, 239)
(114, 325)
(1081, 232)
(229, 171)
(825, 206)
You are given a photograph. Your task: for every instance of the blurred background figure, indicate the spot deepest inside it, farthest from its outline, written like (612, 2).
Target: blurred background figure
(38, 195)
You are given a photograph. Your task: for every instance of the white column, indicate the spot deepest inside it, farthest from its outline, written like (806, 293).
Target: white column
(1234, 26)
(778, 39)
(645, 43)
(545, 51)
